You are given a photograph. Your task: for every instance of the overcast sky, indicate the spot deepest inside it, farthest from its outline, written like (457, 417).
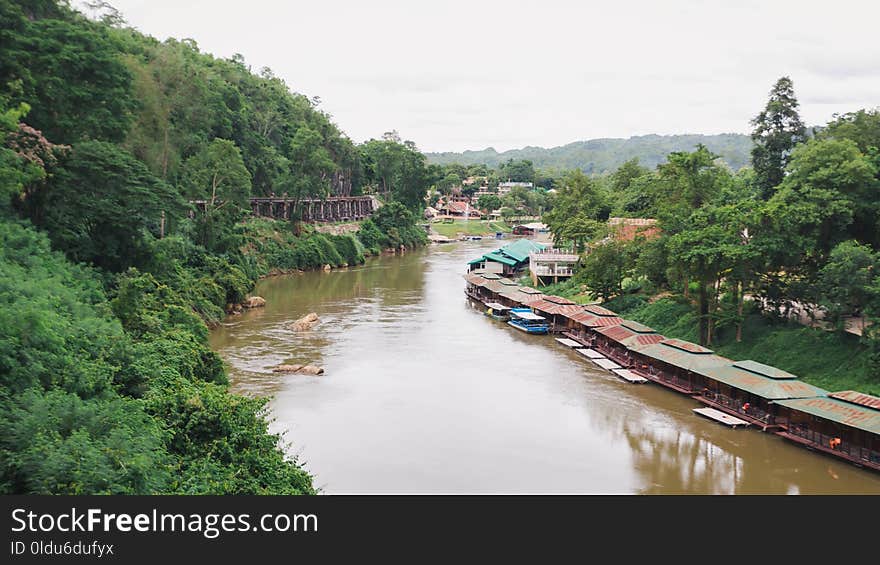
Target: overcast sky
(453, 75)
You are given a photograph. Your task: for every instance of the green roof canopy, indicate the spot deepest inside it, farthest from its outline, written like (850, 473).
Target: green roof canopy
(759, 385)
(521, 248)
(677, 357)
(498, 258)
(764, 370)
(637, 327)
(839, 411)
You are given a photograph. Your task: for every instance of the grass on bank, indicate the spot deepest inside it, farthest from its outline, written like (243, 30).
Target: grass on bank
(469, 227)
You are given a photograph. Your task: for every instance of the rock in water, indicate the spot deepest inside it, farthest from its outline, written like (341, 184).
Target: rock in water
(299, 369)
(307, 322)
(327, 267)
(254, 302)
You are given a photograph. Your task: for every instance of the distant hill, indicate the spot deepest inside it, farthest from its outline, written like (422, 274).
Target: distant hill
(601, 155)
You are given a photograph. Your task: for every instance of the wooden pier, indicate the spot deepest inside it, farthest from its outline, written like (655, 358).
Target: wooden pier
(569, 342)
(629, 376)
(590, 353)
(721, 417)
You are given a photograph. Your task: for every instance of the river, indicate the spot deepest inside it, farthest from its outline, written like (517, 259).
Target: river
(424, 394)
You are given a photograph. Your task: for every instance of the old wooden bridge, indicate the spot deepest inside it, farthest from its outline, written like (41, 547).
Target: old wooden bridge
(331, 209)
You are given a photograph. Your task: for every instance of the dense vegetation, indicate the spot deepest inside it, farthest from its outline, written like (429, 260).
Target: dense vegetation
(108, 275)
(599, 156)
(797, 232)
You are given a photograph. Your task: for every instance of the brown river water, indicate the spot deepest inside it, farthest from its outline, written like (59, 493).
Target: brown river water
(424, 394)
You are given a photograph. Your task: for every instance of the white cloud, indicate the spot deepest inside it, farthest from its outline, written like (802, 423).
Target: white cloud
(469, 74)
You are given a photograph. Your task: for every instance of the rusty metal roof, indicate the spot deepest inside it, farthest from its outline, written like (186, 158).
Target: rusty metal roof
(760, 385)
(856, 397)
(591, 320)
(529, 299)
(627, 337)
(839, 411)
(764, 370)
(558, 299)
(530, 290)
(637, 327)
(602, 321)
(617, 333)
(687, 346)
(598, 310)
(678, 357)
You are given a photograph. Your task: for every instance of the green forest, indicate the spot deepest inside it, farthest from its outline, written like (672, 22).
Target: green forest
(109, 278)
(739, 252)
(599, 156)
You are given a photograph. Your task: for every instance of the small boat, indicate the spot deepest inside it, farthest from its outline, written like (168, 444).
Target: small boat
(497, 311)
(527, 321)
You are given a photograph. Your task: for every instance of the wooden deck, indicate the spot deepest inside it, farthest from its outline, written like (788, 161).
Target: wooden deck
(591, 353)
(721, 417)
(606, 364)
(629, 376)
(569, 342)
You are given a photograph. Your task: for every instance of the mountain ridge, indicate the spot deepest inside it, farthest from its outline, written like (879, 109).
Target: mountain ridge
(604, 154)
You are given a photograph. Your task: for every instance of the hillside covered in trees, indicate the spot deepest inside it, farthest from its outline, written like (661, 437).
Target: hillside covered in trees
(109, 277)
(598, 156)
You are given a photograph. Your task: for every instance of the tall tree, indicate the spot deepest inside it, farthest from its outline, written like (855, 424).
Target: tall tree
(102, 204)
(217, 175)
(578, 206)
(310, 167)
(778, 128)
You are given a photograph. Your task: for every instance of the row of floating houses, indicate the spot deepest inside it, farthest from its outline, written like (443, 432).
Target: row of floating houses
(844, 424)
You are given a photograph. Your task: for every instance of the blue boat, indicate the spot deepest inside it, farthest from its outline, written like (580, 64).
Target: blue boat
(527, 321)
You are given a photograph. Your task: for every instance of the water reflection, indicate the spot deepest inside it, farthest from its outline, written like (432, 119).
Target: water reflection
(423, 393)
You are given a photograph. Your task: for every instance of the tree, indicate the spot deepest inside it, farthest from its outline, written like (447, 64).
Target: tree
(845, 280)
(217, 175)
(578, 202)
(604, 269)
(622, 178)
(488, 202)
(689, 180)
(826, 198)
(778, 128)
(517, 171)
(706, 251)
(102, 205)
(400, 172)
(310, 167)
(69, 73)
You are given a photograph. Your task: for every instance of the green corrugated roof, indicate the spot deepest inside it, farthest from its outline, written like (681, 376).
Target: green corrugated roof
(765, 370)
(637, 327)
(667, 353)
(521, 248)
(498, 258)
(852, 415)
(477, 260)
(759, 385)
